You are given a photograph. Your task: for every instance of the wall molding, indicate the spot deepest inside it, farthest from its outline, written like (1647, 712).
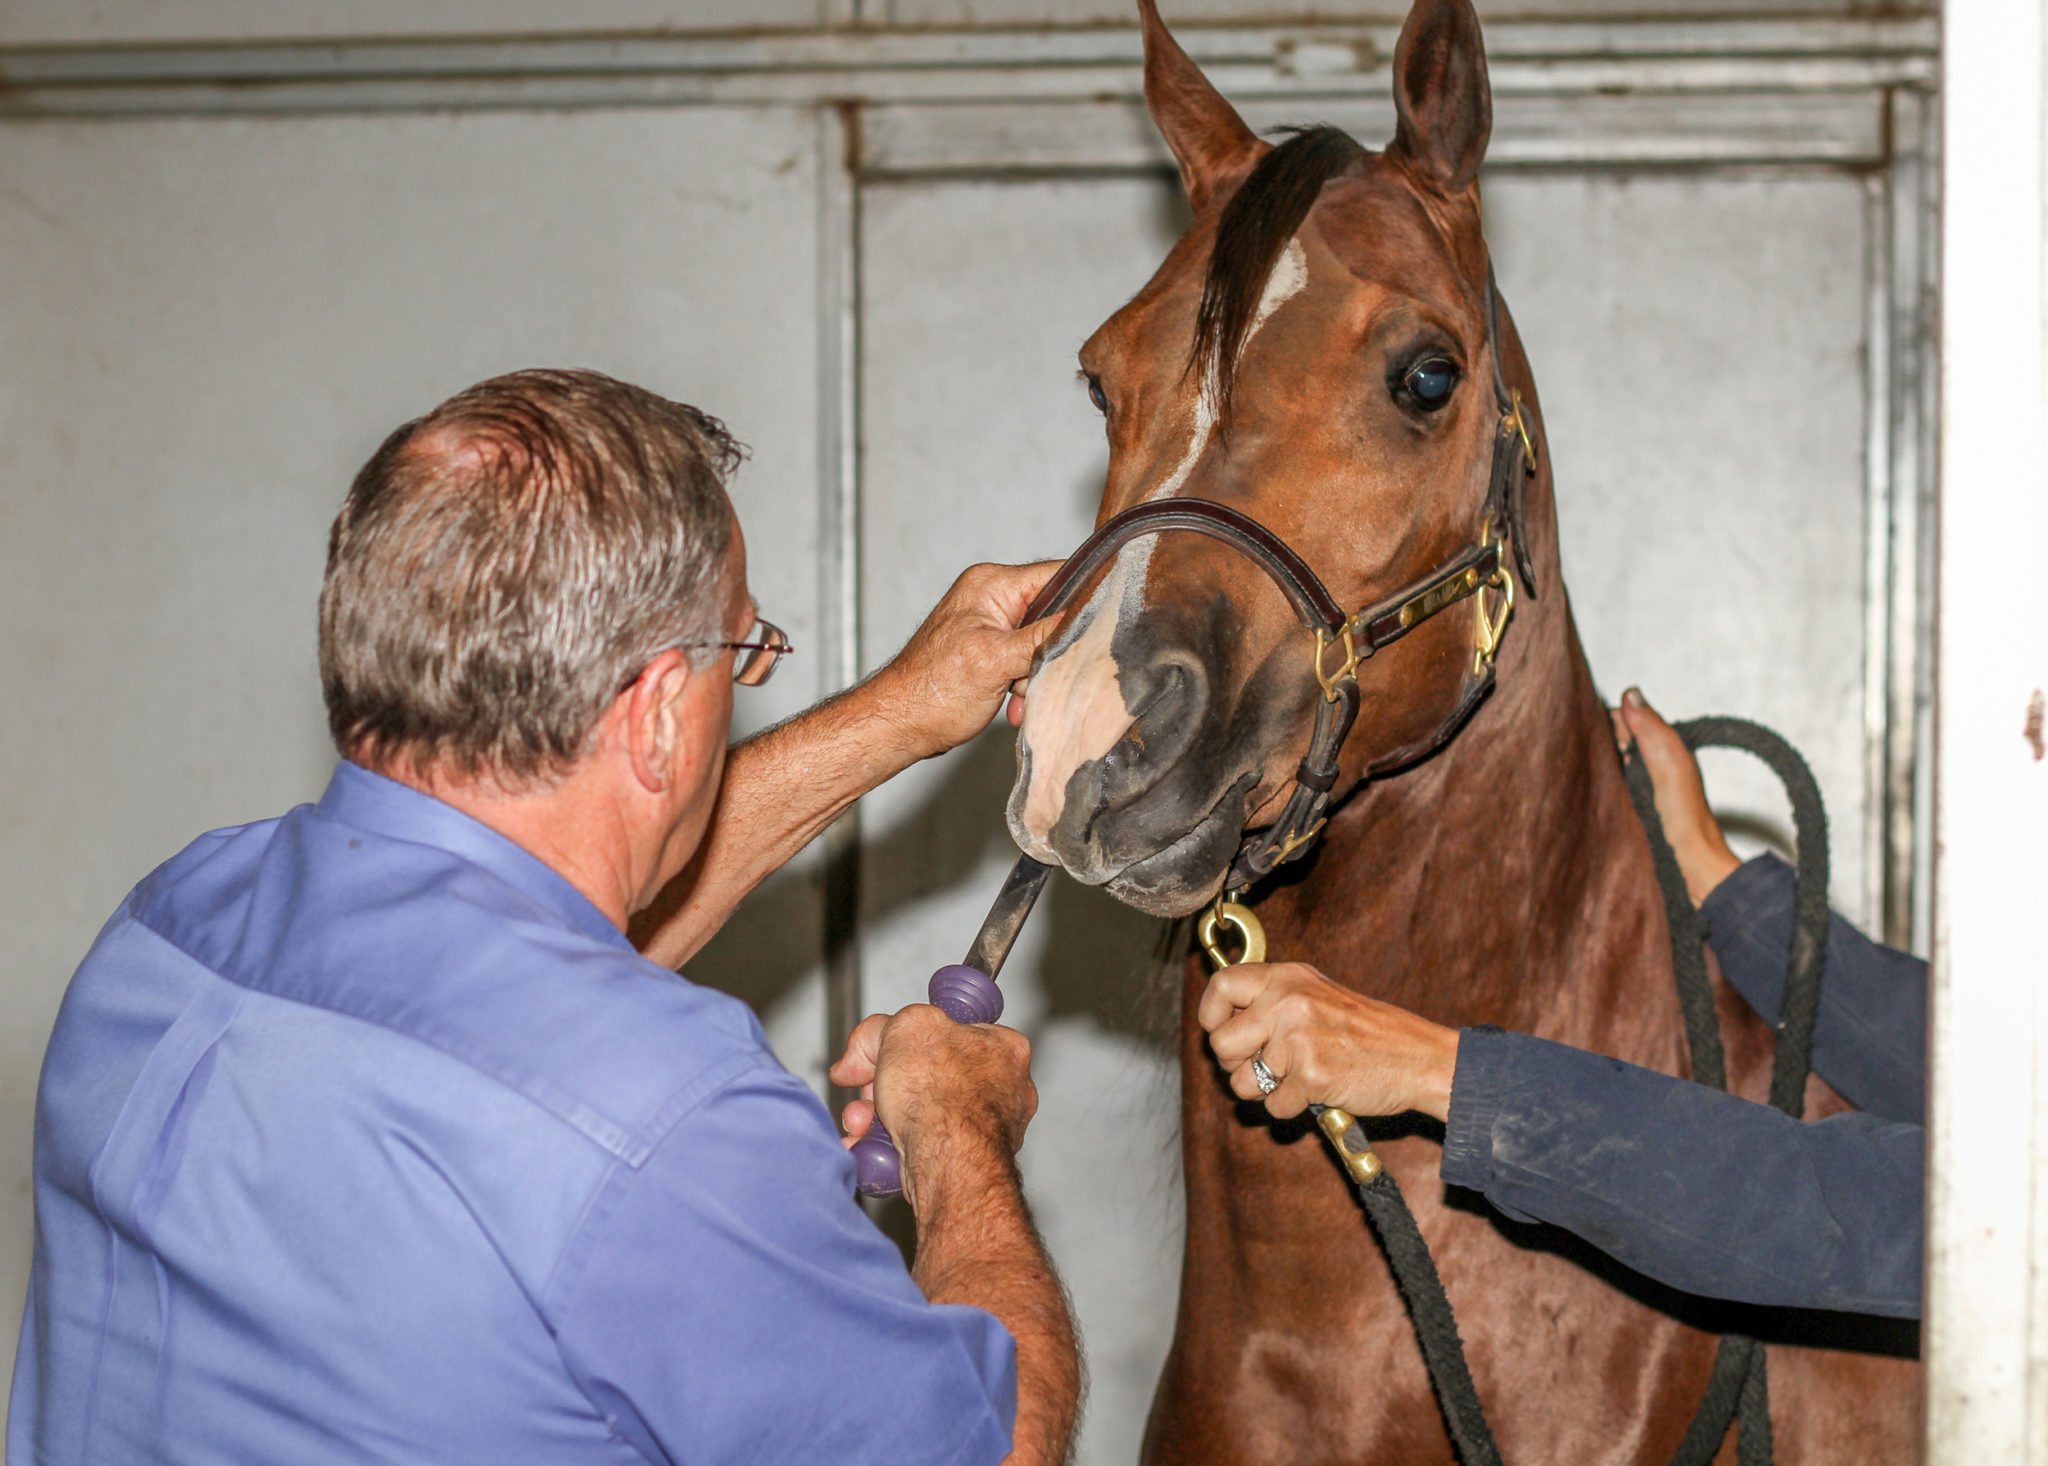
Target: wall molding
(873, 65)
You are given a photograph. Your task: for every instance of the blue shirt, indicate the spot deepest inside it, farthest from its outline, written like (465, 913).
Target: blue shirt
(364, 1137)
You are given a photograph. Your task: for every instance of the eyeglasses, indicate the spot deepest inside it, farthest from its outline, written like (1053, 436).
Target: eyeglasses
(766, 645)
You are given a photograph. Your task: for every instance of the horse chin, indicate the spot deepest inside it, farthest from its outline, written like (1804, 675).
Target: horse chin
(1184, 866)
(1186, 875)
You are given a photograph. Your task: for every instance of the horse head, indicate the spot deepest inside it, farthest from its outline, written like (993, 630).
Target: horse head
(1319, 352)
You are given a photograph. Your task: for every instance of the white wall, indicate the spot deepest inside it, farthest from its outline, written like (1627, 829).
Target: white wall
(206, 327)
(1987, 1206)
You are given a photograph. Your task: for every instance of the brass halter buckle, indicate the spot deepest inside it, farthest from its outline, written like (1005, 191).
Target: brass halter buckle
(1299, 841)
(1346, 671)
(1490, 626)
(1520, 423)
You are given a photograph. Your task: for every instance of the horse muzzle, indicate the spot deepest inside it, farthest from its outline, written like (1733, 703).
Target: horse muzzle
(1124, 776)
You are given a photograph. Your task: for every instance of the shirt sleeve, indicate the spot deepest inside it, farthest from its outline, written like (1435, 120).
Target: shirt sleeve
(1697, 1188)
(1870, 1035)
(729, 1301)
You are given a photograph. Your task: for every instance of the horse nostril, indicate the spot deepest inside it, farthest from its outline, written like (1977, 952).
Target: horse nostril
(1161, 704)
(1170, 695)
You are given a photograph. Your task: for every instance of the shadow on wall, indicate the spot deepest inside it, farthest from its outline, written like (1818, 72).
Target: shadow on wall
(770, 946)
(1092, 958)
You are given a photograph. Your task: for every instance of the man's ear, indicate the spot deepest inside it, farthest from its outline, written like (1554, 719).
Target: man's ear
(1440, 94)
(1208, 138)
(651, 714)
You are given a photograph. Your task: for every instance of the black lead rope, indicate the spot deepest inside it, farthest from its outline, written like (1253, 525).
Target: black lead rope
(1737, 1389)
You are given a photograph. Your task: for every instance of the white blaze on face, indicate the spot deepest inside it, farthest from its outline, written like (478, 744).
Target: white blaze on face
(1074, 709)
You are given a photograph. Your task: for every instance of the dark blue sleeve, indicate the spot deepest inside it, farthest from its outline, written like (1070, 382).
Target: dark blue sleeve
(1694, 1187)
(729, 1301)
(1870, 1037)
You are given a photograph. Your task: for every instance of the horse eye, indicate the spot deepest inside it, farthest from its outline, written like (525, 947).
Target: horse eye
(1096, 395)
(1430, 382)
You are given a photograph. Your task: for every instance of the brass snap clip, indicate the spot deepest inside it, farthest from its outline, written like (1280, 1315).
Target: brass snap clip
(1490, 626)
(1360, 1165)
(1250, 930)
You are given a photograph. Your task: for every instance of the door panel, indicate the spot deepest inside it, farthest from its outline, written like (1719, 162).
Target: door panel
(980, 445)
(1698, 343)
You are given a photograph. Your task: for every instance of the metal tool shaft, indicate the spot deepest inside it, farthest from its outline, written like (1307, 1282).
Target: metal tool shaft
(999, 930)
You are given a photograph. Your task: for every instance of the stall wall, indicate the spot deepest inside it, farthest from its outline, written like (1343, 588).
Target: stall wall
(205, 328)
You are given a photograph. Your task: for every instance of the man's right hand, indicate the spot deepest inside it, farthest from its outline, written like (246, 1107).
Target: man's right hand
(957, 1098)
(948, 1092)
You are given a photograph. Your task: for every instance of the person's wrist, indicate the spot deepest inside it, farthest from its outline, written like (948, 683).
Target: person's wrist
(1436, 1065)
(952, 1162)
(888, 717)
(1705, 863)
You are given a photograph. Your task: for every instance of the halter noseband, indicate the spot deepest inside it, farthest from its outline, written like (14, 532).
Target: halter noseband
(1355, 637)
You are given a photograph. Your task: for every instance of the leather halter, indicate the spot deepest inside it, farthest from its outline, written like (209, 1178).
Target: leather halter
(1357, 636)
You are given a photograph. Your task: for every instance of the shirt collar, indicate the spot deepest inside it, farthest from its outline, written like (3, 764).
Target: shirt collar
(367, 801)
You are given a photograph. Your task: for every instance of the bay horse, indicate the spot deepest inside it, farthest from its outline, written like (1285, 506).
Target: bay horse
(1318, 352)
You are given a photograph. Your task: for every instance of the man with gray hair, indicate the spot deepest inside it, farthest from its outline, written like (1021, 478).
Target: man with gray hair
(367, 1135)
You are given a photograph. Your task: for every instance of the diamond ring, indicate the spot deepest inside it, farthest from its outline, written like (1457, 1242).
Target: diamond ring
(1262, 1075)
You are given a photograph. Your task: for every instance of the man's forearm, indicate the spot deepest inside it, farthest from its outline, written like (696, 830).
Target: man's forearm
(976, 1245)
(782, 789)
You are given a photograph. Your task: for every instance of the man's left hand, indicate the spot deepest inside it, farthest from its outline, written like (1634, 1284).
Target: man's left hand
(951, 676)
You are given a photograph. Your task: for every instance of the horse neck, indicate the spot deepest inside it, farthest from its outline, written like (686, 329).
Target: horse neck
(1505, 880)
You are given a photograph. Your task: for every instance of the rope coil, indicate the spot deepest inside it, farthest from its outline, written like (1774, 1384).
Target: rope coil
(1738, 1389)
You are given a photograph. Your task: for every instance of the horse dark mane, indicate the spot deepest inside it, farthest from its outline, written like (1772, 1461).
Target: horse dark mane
(1257, 223)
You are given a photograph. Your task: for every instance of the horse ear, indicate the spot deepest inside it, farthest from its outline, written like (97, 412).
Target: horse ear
(1208, 138)
(1441, 95)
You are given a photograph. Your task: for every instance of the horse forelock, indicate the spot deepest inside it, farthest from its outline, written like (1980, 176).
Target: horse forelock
(1256, 226)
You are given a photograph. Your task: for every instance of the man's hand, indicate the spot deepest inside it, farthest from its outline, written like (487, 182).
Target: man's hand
(941, 1087)
(957, 1098)
(950, 678)
(1704, 858)
(1325, 1044)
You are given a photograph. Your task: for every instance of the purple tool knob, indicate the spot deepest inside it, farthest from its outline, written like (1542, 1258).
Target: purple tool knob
(877, 1168)
(966, 994)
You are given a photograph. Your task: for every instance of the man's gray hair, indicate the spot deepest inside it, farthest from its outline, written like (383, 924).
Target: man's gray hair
(506, 565)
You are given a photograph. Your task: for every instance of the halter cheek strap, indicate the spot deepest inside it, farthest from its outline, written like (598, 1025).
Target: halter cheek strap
(1344, 642)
